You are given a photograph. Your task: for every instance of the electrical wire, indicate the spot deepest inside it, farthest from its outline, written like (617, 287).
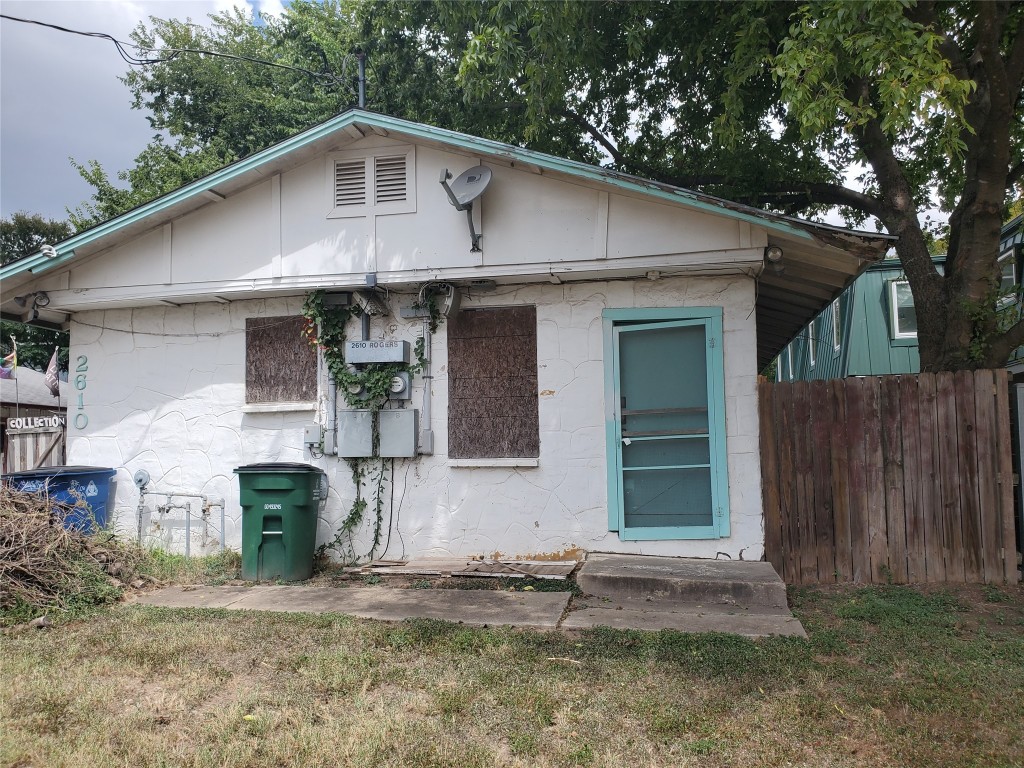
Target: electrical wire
(169, 54)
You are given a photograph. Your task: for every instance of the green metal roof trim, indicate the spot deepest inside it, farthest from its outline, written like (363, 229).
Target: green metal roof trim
(37, 263)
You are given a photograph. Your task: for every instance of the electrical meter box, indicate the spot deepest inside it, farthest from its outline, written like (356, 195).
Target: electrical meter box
(398, 433)
(355, 433)
(376, 351)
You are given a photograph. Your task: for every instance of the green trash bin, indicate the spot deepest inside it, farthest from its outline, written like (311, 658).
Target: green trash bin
(279, 510)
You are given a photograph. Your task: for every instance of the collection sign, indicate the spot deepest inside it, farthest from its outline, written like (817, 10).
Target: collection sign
(35, 422)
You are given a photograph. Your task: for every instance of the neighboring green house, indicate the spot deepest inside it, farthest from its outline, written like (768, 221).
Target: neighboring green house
(870, 330)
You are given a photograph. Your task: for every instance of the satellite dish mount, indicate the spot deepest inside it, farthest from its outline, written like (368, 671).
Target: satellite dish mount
(463, 191)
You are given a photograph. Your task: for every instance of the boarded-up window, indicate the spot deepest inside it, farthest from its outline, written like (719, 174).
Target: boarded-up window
(492, 384)
(280, 364)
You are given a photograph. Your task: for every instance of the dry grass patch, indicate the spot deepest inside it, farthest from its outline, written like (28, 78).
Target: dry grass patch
(889, 676)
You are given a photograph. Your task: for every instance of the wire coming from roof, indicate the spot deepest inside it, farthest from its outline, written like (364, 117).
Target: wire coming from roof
(168, 54)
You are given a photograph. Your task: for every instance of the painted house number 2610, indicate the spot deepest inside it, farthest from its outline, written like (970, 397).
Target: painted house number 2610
(81, 419)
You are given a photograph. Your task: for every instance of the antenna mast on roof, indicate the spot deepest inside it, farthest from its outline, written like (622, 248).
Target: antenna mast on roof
(361, 79)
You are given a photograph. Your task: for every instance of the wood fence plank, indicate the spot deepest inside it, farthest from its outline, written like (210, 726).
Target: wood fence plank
(874, 463)
(770, 476)
(892, 468)
(988, 474)
(1007, 541)
(970, 512)
(840, 470)
(949, 476)
(914, 478)
(821, 461)
(804, 482)
(931, 492)
(855, 418)
(787, 492)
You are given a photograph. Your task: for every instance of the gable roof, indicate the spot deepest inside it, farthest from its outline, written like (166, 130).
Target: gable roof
(784, 303)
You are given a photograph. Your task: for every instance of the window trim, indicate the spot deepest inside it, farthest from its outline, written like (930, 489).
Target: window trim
(371, 208)
(812, 346)
(789, 360)
(895, 331)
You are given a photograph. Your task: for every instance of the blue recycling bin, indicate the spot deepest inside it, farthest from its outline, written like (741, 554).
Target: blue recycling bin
(85, 490)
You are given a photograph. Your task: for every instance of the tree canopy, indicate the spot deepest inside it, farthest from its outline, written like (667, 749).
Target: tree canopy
(769, 103)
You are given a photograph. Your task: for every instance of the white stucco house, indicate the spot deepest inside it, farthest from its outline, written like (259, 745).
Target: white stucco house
(593, 387)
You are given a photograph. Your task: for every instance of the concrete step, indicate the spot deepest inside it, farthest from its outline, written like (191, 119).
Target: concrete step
(586, 613)
(645, 578)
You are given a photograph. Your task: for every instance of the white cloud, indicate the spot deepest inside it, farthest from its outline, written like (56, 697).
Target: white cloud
(60, 96)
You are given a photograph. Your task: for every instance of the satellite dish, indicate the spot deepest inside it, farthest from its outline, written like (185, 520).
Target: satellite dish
(464, 190)
(471, 184)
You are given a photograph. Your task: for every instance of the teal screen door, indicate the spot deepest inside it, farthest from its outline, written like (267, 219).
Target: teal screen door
(667, 436)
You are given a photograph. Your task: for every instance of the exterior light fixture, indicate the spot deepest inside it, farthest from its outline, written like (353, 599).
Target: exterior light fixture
(773, 255)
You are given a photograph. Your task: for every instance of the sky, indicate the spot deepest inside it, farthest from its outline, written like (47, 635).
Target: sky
(60, 96)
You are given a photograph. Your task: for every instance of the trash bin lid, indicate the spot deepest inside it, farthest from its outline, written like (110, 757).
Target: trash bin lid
(61, 470)
(277, 466)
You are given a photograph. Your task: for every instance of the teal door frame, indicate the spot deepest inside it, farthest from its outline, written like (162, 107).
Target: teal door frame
(710, 318)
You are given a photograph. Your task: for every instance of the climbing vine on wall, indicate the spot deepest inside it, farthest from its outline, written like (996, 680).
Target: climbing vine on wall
(368, 388)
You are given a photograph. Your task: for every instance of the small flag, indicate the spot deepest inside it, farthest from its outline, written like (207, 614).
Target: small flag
(52, 380)
(10, 363)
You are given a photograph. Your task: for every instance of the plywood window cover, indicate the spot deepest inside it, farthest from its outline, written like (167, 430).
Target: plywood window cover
(492, 392)
(280, 365)
(374, 181)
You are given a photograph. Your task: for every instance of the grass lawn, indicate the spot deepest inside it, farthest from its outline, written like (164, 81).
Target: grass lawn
(891, 676)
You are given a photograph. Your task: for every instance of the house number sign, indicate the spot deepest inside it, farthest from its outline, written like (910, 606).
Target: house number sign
(81, 420)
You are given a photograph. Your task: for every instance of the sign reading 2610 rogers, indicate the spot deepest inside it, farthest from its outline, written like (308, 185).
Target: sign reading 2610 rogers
(35, 422)
(377, 351)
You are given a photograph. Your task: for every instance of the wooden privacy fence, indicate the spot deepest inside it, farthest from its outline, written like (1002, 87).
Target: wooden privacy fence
(889, 478)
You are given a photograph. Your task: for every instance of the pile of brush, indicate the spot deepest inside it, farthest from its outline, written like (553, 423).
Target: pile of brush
(44, 565)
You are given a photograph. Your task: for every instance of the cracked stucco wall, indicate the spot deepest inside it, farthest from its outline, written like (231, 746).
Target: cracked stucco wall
(165, 392)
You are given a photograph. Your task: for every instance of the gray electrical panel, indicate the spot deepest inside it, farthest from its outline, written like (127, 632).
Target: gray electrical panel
(376, 351)
(398, 433)
(355, 434)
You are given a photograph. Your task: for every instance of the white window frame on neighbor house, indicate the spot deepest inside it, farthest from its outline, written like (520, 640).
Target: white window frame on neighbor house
(789, 360)
(1008, 259)
(368, 156)
(812, 346)
(897, 332)
(836, 336)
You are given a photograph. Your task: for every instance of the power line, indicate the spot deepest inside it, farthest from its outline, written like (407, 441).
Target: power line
(168, 54)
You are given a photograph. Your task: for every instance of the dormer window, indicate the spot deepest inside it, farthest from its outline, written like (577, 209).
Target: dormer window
(374, 180)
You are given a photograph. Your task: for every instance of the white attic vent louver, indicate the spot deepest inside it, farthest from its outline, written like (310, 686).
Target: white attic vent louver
(349, 182)
(389, 179)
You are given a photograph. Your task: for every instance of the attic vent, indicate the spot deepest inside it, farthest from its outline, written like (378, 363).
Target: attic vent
(389, 179)
(349, 182)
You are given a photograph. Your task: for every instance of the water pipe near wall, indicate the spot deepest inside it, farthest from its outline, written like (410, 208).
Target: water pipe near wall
(207, 505)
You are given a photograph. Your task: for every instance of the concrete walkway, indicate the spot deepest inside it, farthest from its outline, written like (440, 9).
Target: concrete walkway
(623, 592)
(481, 608)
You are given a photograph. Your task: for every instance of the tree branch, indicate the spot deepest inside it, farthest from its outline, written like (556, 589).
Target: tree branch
(924, 14)
(800, 193)
(1002, 347)
(599, 137)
